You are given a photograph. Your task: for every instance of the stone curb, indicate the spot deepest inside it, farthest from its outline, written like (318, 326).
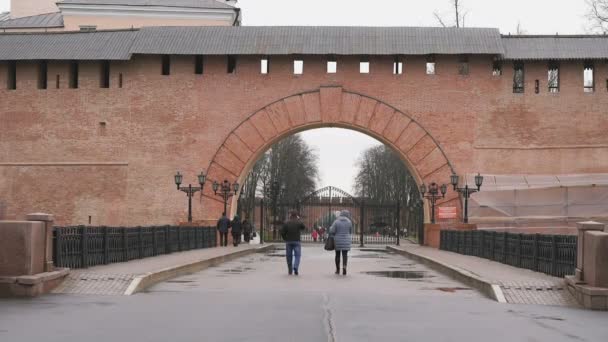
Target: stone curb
(149, 279)
(492, 291)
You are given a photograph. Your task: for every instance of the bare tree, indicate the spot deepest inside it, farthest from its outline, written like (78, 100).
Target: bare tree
(598, 15)
(459, 14)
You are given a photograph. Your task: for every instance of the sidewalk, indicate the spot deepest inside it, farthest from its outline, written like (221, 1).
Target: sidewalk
(518, 286)
(135, 275)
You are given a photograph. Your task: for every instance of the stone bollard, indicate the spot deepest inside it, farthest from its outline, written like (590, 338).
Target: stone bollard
(580, 245)
(48, 220)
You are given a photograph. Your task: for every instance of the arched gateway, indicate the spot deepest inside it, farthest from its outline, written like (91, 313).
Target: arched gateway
(330, 106)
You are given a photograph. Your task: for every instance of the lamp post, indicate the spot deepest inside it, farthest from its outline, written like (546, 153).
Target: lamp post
(190, 190)
(466, 192)
(432, 194)
(226, 190)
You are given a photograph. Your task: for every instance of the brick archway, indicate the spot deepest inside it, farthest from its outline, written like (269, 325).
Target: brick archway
(327, 107)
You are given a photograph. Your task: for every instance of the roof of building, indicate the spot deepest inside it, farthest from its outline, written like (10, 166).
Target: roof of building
(106, 45)
(251, 40)
(278, 40)
(215, 4)
(555, 47)
(48, 20)
(5, 15)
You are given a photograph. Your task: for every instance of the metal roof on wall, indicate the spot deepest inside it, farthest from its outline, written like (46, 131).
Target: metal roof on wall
(48, 20)
(165, 3)
(273, 40)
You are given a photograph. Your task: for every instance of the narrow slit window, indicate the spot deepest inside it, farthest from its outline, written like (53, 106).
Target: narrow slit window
(11, 83)
(57, 82)
(430, 66)
(231, 64)
(298, 67)
(463, 67)
(43, 73)
(120, 80)
(105, 74)
(518, 77)
(397, 66)
(553, 78)
(198, 65)
(166, 65)
(537, 86)
(496, 68)
(589, 77)
(74, 75)
(364, 66)
(332, 65)
(264, 66)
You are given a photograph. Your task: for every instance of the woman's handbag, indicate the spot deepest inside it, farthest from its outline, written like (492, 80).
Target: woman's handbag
(330, 244)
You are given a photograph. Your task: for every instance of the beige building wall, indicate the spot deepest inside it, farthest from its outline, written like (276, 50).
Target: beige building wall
(73, 22)
(24, 8)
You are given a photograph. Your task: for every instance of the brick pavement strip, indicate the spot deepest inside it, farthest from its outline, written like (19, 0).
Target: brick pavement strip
(117, 279)
(519, 286)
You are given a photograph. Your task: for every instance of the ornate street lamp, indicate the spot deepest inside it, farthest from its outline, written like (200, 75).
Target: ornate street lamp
(190, 190)
(432, 194)
(466, 191)
(226, 190)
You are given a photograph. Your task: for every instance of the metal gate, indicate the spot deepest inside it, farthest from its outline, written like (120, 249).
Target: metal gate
(379, 223)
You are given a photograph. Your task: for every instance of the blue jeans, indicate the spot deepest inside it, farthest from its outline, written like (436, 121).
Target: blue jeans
(293, 252)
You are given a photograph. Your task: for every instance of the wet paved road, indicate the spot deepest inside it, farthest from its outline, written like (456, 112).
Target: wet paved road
(253, 299)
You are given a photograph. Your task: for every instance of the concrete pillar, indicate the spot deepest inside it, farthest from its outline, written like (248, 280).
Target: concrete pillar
(595, 259)
(48, 221)
(582, 228)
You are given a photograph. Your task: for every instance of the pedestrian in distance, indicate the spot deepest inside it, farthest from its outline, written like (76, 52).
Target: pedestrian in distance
(223, 225)
(291, 232)
(237, 230)
(341, 230)
(315, 235)
(247, 228)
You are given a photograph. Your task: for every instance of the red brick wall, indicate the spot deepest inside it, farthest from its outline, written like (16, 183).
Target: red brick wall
(158, 124)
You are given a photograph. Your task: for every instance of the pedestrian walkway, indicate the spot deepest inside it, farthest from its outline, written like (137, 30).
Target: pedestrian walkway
(115, 279)
(519, 286)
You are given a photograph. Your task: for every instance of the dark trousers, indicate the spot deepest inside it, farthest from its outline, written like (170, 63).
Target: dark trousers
(223, 239)
(344, 259)
(247, 237)
(236, 238)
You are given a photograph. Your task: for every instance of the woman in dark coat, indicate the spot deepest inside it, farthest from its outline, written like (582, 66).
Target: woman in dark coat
(247, 230)
(237, 229)
(341, 230)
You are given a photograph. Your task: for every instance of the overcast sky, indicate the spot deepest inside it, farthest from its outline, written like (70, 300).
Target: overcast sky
(339, 149)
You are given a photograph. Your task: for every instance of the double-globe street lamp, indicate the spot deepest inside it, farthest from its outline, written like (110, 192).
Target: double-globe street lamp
(466, 191)
(432, 194)
(225, 190)
(190, 190)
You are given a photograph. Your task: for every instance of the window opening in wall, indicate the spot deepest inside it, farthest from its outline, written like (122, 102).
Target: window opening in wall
(397, 66)
(364, 66)
(496, 68)
(430, 65)
(589, 77)
(553, 77)
(43, 75)
(11, 80)
(120, 80)
(166, 65)
(102, 129)
(74, 75)
(298, 67)
(264, 66)
(463, 67)
(198, 65)
(105, 74)
(88, 28)
(57, 81)
(332, 65)
(537, 86)
(518, 77)
(231, 64)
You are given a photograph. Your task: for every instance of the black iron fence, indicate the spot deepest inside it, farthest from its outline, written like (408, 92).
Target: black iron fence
(368, 239)
(83, 246)
(551, 254)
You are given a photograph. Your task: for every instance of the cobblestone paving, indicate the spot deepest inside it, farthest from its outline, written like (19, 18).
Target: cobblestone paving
(541, 293)
(79, 282)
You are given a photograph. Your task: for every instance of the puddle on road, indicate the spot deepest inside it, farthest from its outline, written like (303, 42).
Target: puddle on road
(277, 255)
(180, 281)
(400, 274)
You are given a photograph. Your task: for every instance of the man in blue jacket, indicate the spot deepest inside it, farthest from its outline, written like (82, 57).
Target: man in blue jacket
(223, 224)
